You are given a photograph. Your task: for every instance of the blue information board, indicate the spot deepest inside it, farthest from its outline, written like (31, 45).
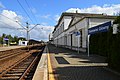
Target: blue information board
(100, 28)
(6, 39)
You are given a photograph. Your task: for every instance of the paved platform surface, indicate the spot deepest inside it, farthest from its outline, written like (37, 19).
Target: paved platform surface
(41, 72)
(69, 65)
(9, 47)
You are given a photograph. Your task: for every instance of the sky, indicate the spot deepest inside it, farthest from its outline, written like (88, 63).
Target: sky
(46, 13)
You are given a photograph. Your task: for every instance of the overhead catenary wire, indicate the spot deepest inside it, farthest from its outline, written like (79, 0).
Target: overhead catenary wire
(25, 11)
(6, 24)
(12, 20)
(16, 21)
(7, 17)
(9, 27)
(23, 28)
(31, 11)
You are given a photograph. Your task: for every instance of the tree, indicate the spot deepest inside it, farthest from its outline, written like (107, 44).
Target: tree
(3, 35)
(117, 21)
(15, 39)
(114, 51)
(11, 38)
(21, 38)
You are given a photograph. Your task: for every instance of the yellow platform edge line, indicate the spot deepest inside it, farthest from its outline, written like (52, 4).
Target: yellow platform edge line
(50, 70)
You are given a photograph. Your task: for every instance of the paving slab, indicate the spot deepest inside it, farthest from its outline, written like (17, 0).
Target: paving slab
(69, 65)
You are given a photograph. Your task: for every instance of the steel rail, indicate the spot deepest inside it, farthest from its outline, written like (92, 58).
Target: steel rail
(9, 55)
(4, 72)
(28, 69)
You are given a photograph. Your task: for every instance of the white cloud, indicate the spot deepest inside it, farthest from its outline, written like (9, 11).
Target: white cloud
(41, 32)
(34, 10)
(6, 26)
(57, 17)
(44, 23)
(106, 8)
(46, 16)
(9, 17)
(1, 5)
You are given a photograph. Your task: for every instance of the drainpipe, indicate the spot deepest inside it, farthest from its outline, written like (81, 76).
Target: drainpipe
(88, 23)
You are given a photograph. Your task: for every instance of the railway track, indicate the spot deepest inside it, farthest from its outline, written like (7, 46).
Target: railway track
(22, 69)
(6, 56)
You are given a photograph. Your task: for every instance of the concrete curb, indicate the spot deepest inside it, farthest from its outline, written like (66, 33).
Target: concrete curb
(41, 72)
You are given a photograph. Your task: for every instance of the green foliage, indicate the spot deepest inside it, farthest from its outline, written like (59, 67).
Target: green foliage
(11, 38)
(21, 38)
(98, 44)
(117, 20)
(1, 40)
(108, 45)
(114, 53)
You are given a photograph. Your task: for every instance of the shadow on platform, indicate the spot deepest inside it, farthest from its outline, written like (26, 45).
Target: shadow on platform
(84, 73)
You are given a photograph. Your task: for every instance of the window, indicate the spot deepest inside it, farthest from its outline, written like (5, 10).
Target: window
(23, 42)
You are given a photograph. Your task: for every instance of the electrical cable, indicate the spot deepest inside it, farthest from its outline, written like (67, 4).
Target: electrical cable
(24, 10)
(7, 17)
(12, 20)
(9, 27)
(31, 11)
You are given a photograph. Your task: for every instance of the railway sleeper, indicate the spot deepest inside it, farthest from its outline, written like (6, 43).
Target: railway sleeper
(12, 72)
(28, 77)
(27, 62)
(20, 67)
(16, 74)
(30, 74)
(17, 69)
(25, 66)
(10, 78)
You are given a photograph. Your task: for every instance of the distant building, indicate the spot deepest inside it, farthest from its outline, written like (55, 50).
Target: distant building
(51, 38)
(23, 43)
(69, 23)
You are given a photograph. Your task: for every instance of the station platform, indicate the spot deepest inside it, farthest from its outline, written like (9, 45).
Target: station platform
(65, 64)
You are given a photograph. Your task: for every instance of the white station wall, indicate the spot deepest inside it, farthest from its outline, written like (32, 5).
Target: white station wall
(64, 38)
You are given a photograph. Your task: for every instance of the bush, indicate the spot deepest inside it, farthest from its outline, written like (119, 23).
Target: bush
(108, 45)
(98, 43)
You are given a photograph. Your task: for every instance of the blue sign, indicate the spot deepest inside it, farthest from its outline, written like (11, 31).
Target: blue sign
(6, 39)
(100, 28)
(76, 33)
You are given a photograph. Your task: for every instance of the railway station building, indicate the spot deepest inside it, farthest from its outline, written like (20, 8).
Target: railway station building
(64, 34)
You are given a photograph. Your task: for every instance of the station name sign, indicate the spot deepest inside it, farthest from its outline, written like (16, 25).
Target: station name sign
(100, 28)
